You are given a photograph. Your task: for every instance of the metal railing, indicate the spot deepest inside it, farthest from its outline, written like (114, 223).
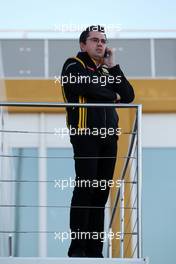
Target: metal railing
(126, 214)
(136, 179)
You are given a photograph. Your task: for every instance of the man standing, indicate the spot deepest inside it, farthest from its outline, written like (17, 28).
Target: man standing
(92, 77)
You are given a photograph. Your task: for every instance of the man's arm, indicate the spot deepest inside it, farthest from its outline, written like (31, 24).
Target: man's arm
(124, 88)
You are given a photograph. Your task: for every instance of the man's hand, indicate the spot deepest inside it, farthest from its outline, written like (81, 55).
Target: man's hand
(110, 59)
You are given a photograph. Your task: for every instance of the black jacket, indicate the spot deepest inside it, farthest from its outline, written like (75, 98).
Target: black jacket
(83, 82)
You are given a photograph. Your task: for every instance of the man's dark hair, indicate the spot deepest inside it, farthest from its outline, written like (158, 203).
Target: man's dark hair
(85, 34)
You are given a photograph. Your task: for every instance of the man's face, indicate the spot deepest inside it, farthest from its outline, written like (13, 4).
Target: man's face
(95, 45)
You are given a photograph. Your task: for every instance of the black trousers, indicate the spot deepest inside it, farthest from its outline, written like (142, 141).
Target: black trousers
(95, 159)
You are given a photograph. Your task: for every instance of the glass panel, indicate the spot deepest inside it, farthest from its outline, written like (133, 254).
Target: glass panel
(159, 210)
(25, 196)
(23, 58)
(165, 56)
(60, 171)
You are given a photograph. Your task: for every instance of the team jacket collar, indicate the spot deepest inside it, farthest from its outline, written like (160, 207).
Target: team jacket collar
(87, 60)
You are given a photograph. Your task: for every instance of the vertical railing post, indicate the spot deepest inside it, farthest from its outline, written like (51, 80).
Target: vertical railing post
(122, 218)
(139, 182)
(108, 212)
(1, 139)
(10, 245)
(3, 248)
(110, 244)
(42, 241)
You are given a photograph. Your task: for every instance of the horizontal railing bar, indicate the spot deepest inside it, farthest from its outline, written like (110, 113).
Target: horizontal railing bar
(51, 232)
(64, 157)
(60, 206)
(49, 132)
(46, 104)
(50, 206)
(52, 181)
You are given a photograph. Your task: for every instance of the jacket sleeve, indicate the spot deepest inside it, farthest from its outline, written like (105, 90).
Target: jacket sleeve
(124, 88)
(76, 71)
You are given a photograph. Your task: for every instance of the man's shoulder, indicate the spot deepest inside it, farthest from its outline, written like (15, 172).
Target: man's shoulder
(72, 62)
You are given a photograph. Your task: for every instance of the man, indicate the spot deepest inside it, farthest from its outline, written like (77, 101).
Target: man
(92, 77)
